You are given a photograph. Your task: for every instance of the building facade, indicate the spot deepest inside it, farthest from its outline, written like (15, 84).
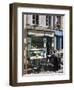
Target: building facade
(43, 33)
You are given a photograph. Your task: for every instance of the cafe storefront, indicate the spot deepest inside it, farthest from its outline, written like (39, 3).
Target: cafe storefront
(39, 44)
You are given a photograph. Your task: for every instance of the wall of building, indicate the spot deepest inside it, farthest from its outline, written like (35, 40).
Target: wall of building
(28, 20)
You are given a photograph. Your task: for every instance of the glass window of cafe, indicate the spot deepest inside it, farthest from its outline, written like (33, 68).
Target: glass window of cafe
(39, 46)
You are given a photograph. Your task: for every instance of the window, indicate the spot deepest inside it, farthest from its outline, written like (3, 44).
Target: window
(48, 20)
(58, 22)
(37, 42)
(35, 19)
(59, 19)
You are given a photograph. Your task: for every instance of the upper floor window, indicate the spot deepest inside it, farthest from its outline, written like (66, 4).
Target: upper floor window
(35, 19)
(59, 19)
(58, 22)
(48, 20)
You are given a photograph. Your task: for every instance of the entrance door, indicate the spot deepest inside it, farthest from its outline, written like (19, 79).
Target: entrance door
(59, 42)
(49, 44)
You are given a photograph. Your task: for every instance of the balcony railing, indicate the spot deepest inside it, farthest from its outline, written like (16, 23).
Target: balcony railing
(47, 28)
(32, 27)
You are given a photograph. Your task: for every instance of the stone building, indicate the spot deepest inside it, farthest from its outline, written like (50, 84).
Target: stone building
(42, 33)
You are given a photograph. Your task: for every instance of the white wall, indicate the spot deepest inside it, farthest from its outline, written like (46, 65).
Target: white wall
(30, 20)
(4, 46)
(42, 20)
